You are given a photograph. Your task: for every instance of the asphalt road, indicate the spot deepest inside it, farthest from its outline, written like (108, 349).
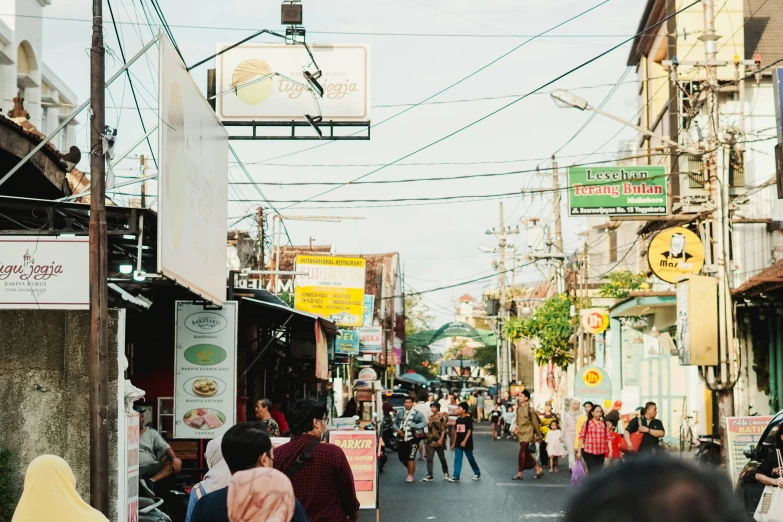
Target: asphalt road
(495, 497)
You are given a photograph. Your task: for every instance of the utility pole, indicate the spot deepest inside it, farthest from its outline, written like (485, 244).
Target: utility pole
(260, 221)
(504, 364)
(98, 369)
(143, 172)
(584, 352)
(559, 263)
(720, 380)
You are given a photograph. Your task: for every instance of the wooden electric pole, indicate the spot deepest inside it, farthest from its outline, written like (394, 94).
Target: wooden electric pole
(99, 334)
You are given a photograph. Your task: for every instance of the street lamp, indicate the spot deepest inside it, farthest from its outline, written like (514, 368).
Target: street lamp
(567, 100)
(487, 249)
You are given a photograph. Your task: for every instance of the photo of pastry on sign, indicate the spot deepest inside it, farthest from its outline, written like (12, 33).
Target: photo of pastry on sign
(204, 386)
(675, 253)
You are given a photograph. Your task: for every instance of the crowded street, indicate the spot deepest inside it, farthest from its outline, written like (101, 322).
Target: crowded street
(495, 496)
(391, 260)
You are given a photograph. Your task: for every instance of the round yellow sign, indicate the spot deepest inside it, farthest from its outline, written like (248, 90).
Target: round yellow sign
(595, 320)
(675, 253)
(592, 378)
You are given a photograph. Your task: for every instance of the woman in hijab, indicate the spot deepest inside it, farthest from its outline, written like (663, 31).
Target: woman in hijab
(263, 495)
(50, 495)
(569, 430)
(216, 478)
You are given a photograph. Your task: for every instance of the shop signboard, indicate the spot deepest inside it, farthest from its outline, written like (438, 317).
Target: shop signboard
(593, 383)
(265, 82)
(742, 432)
(675, 253)
(369, 309)
(132, 489)
(632, 353)
(367, 374)
(48, 273)
(192, 183)
(617, 191)
(204, 370)
(333, 288)
(347, 343)
(370, 339)
(595, 320)
(360, 448)
(397, 351)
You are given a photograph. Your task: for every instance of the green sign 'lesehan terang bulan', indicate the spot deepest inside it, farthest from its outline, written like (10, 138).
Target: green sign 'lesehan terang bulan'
(617, 191)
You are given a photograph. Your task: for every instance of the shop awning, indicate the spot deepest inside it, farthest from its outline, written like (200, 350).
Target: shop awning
(279, 314)
(637, 306)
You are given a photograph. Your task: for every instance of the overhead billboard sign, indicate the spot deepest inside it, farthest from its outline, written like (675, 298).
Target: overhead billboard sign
(192, 183)
(205, 370)
(370, 339)
(369, 309)
(283, 95)
(347, 342)
(42, 272)
(674, 253)
(333, 288)
(617, 191)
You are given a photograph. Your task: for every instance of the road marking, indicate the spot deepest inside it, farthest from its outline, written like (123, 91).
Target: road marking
(543, 515)
(527, 484)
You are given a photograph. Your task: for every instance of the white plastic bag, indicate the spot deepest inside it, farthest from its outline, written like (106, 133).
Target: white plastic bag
(770, 508)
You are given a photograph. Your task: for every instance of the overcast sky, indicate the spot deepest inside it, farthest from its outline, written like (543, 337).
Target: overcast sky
(438, 244)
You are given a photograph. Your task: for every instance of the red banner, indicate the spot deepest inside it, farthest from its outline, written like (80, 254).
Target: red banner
(360, 447)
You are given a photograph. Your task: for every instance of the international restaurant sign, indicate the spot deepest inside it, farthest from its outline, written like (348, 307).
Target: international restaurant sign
(333, 288)
(42, 272)
(617, 191)
(205, 370)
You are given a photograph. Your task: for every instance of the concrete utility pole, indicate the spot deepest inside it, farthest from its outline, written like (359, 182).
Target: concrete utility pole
(143, 172)
(720, 380)
(504, 360)
(99, 332)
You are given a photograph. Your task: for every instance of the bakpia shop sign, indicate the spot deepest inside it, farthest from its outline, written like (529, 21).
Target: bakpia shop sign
(617, 191)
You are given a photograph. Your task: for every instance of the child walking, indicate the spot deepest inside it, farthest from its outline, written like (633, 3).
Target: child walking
(554, 445)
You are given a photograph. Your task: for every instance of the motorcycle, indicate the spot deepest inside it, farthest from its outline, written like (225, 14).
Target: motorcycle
(170, 501)
(708, 451)
(389, 434)
(149, 512)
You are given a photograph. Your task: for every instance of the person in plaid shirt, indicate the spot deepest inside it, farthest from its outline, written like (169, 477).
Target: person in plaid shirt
(324, 483)
(436, 441)
(595, 440)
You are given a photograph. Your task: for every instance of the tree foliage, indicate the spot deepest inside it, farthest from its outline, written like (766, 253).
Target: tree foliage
(417, 318)
(620, 283)
(550, 328)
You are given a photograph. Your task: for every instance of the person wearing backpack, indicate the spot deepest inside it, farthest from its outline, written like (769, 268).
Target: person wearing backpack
(319, 472)
(651, 429)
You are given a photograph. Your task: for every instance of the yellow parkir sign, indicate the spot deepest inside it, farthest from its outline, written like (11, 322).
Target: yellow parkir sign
(675, 253)
(595, 320)
(332, 288)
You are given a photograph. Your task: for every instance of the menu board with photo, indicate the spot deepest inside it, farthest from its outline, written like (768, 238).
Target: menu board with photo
(204, 370)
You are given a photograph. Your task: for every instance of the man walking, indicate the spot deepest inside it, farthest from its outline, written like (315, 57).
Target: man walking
(527, 430)
(410, 424)
(436, 442)
(649, 426)
(463, 443)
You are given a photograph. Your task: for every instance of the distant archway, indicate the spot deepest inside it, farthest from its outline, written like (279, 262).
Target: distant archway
(452, 329)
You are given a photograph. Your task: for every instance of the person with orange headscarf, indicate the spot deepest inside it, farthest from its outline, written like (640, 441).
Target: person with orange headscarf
(260, 495)
(50, 494)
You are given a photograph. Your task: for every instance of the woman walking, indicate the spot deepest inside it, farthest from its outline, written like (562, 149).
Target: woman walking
(569, 431)
(527, 430)
(595, 440)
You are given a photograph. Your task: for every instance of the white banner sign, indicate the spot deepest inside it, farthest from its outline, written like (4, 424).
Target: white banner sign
(132, 489)
(192, 184)
(45, 272)
(205, 371)
(370, 339)
(345, 80)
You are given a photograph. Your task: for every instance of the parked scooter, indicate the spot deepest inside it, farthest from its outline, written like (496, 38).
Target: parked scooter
(170, 499)
(388, 434)
(382, 458)
(149, 512)
(708, 451)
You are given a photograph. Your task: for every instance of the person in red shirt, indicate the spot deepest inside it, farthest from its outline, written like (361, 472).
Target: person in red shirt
(319, 472)
(279, 417)
(615, 439)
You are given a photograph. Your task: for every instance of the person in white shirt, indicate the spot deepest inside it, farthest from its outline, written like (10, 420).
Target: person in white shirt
(425, 408)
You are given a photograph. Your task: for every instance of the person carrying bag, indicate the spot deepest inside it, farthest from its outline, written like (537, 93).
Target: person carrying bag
(770, 508)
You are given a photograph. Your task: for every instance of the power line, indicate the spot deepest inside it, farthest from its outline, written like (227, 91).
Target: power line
(475, 122)
(385, 120)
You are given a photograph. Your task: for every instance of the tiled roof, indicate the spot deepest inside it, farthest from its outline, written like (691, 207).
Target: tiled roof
(772, 276)
(764, 30)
